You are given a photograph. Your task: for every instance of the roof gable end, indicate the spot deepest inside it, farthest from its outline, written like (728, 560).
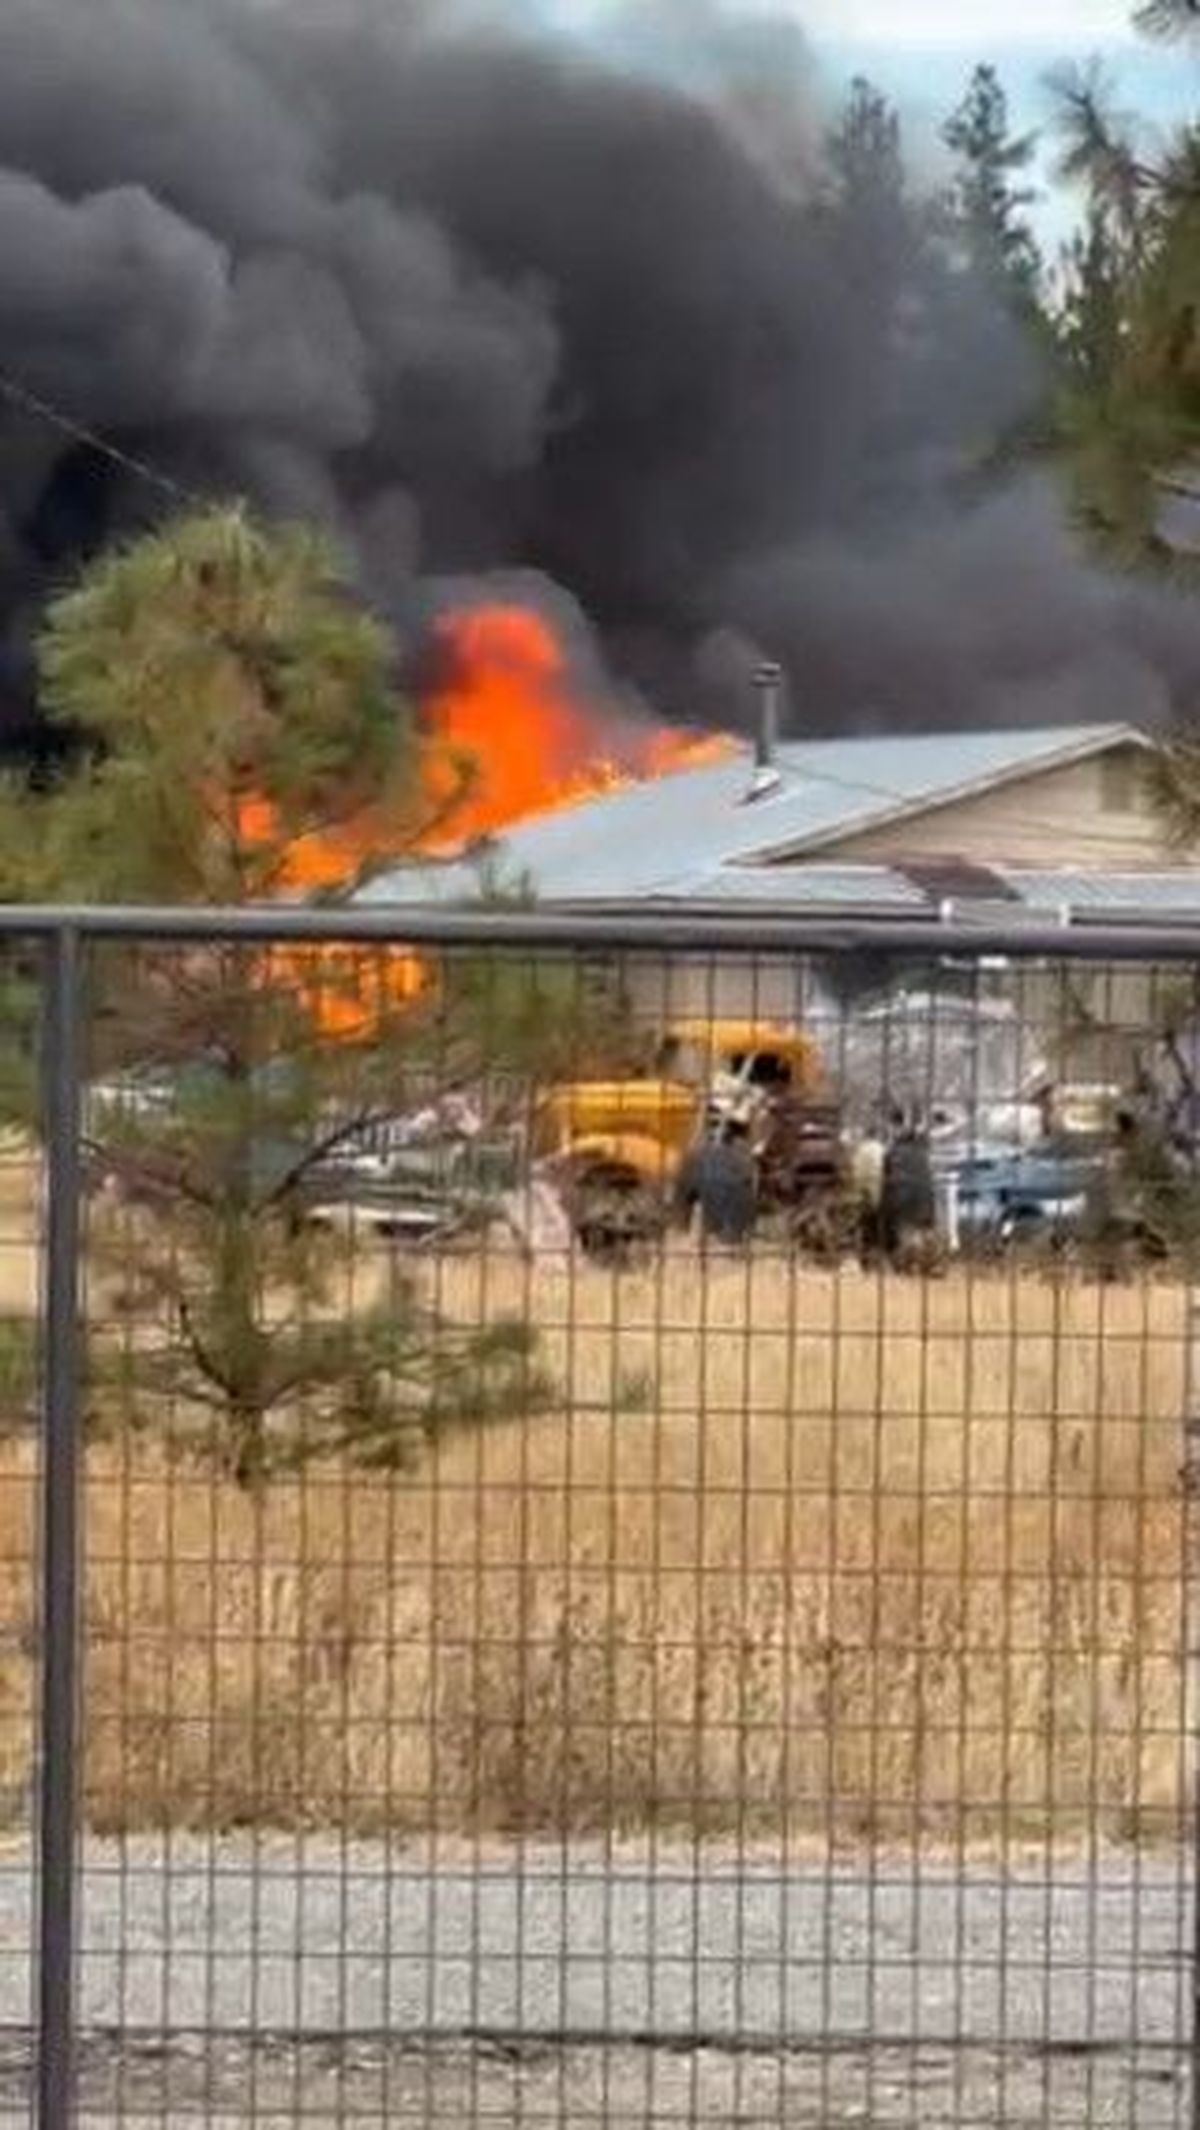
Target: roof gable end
(1060, 749)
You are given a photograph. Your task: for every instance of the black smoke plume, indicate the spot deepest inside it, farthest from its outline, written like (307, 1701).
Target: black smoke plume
(500, 307)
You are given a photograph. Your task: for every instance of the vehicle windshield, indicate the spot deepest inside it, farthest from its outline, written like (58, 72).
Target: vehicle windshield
(765, 1069)
(697, 1063)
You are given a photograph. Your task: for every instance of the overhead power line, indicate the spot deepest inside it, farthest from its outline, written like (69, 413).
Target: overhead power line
(28, 402)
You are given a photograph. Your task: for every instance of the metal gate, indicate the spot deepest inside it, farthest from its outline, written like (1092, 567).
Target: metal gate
(511, 1615)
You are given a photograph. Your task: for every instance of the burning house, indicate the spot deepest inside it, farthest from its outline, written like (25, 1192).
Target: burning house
(1052, 825)
(606, 382)
(578, 342)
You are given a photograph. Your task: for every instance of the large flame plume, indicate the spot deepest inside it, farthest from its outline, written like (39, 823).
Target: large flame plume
(506, 736)
(509, 711)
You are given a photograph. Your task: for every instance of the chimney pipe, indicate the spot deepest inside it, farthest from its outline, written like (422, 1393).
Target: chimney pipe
(768, 681)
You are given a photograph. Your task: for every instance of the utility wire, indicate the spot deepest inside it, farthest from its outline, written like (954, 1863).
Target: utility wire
(28, 402)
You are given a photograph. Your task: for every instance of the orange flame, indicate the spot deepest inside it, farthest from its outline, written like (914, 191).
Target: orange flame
(506, 738)
(533, 745)
(349, 992)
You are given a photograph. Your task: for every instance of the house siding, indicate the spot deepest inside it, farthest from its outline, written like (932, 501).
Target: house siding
(1056, 818)
(735, 987)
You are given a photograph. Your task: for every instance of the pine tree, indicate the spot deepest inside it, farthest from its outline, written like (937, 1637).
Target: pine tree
(1093, 280)
(876, 237)
(236, 707)
(1130, 413)
(989, 200)
(868, 206)
(1169, 18)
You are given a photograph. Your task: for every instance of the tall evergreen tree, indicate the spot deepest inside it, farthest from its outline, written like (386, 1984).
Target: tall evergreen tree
(1169, 18)
(929, 360)
(1091, 308)
(878, 239)
(867, 197)
(1131, 405)
(989, 198)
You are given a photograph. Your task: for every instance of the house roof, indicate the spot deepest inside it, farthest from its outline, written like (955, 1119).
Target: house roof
(1140, 896)
(666, 837)
(1003, 894)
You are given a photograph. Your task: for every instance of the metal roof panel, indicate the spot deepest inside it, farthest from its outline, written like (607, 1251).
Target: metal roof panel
(639, 841)
(1155, 894)
(786, 886)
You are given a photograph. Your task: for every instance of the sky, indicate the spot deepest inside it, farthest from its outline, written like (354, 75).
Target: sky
(921, 45)
(922, 51)
(942, 24)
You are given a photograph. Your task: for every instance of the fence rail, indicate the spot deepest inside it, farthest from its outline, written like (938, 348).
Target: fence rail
(1085, 937)
(596, 1522)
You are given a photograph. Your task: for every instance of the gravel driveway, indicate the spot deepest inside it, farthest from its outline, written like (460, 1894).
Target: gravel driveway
(286, 1981)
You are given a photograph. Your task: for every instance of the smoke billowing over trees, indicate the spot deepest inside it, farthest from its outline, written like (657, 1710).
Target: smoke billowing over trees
(640, 325)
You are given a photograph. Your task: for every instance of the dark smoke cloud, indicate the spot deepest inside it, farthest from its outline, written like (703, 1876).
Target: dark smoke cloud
(501, 308)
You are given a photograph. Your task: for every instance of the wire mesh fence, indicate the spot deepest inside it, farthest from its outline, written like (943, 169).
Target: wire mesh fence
(632, 1525)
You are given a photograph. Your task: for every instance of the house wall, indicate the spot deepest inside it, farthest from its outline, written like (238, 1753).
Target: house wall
(1095, 815)
(712, 987)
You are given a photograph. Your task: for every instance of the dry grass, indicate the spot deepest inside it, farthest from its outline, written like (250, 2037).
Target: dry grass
(20, 1172)
(876, 1558)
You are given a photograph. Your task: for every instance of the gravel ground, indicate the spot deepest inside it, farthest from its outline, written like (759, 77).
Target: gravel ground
(286, 1982)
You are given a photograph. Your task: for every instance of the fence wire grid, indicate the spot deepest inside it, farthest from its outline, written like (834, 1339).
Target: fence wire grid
(597, 1524)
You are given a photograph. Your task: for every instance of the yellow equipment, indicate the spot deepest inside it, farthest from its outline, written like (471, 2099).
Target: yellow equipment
(622, 1142)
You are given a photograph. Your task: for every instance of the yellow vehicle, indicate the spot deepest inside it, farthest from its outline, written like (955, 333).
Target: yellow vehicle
(619, 1144)
(739, 1062)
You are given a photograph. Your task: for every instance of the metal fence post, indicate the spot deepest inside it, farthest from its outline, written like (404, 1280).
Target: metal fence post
(1191, 1496)
(61, 1071)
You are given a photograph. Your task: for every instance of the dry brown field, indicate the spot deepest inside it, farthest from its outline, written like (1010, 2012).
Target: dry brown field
(798, 1555)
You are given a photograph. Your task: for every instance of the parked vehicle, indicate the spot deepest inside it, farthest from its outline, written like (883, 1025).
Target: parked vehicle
(413, 1186)
(620, 1147)
(1042, 1195)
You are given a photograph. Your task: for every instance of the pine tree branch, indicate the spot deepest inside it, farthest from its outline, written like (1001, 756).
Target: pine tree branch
(220, 1378)
(319, 1151)
(148, 1173)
